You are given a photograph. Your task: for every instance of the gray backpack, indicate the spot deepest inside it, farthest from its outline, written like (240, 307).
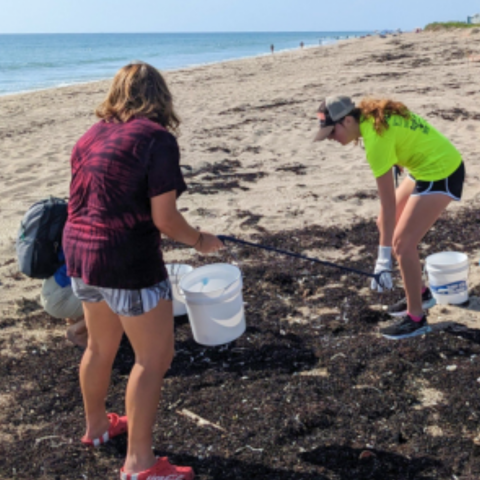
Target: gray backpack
(40, 237)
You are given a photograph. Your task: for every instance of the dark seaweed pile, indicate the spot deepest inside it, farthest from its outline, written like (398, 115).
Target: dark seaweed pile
(359, 417)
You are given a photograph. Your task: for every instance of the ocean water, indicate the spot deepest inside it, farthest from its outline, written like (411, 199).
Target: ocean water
(39, 61)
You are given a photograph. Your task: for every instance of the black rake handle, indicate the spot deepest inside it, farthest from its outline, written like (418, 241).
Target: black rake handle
(376, 276)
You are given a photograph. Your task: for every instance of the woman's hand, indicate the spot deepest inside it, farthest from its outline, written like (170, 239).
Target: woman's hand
(208, 243)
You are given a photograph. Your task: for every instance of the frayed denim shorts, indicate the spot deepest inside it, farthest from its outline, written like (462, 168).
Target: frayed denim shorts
(127, 303)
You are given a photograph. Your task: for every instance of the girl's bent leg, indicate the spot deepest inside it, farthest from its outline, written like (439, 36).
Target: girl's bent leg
(402, 194)
(151, 336)
(105, 333)
(418, 216)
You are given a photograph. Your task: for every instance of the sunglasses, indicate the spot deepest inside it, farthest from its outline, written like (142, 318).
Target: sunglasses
(325, 120)
(335, 126)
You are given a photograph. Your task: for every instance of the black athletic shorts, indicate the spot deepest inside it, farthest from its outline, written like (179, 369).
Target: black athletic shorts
(451, 186)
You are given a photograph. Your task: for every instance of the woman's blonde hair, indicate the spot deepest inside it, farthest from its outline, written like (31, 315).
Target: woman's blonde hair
(380, 110)
(139, 90)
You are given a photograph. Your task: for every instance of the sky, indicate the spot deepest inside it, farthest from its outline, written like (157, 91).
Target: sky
(106, 16)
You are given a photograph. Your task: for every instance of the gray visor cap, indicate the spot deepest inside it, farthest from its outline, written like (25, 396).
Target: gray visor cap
(334, 107)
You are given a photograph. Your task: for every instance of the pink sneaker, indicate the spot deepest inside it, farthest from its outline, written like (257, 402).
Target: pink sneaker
(118, 425)
(162, 470)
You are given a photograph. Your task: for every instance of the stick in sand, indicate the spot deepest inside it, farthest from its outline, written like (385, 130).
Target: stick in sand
(200, 421)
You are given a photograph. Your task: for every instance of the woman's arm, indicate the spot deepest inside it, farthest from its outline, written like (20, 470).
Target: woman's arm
(171, 222)
(386, 219)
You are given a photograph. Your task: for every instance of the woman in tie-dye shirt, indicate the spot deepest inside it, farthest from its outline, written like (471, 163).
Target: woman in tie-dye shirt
(125, 181)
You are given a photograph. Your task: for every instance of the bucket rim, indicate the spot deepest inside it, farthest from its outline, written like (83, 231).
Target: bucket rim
(238, 277)
(179, 266)
(430, 260)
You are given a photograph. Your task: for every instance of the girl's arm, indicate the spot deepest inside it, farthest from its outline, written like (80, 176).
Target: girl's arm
(386, 219)
(171, 222)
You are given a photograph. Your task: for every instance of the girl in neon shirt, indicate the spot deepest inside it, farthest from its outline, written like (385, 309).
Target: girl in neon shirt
(395, 136)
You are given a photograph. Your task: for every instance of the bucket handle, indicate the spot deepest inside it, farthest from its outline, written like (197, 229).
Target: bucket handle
(231, 283)
(182, 293)
(176, 269)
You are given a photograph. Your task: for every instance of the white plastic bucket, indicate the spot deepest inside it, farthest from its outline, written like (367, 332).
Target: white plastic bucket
(213, 295)
(447, 276)
(175, 272)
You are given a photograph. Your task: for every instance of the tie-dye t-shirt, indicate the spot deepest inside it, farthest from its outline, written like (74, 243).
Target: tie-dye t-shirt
(110, 239)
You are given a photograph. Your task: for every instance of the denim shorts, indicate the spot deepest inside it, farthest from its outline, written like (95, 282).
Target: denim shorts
(127, 303)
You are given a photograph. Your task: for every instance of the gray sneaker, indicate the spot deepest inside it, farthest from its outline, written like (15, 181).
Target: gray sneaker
(406, 328)
(399, 309)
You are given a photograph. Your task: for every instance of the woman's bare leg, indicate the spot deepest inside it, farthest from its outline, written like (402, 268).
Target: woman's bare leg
(104, 335)
(418, 216)
(151, 336)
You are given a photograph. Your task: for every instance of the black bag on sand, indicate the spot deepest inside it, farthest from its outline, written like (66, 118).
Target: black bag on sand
(40, 237)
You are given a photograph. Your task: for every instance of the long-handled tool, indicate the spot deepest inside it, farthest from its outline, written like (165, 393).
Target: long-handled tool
(376, 276)
(396, 173)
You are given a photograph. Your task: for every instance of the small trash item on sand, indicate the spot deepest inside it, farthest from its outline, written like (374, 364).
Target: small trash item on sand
(451, 368)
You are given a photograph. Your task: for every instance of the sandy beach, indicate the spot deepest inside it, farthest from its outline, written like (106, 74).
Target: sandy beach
(256, 118)
(249, 160)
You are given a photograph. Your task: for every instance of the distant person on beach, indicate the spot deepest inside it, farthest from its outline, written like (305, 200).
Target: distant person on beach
(301, 44)
(272, 47)
(59, 301)
(393, 135)
(126, 179)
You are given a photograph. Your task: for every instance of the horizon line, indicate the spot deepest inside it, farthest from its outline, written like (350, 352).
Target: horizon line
(185, 32)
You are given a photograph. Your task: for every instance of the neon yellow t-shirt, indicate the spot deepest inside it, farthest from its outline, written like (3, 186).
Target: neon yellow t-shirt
(413, 144)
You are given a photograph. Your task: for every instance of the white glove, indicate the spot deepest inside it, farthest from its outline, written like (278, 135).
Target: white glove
(384, 262)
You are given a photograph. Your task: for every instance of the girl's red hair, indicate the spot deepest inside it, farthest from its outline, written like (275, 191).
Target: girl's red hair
(380, 110)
